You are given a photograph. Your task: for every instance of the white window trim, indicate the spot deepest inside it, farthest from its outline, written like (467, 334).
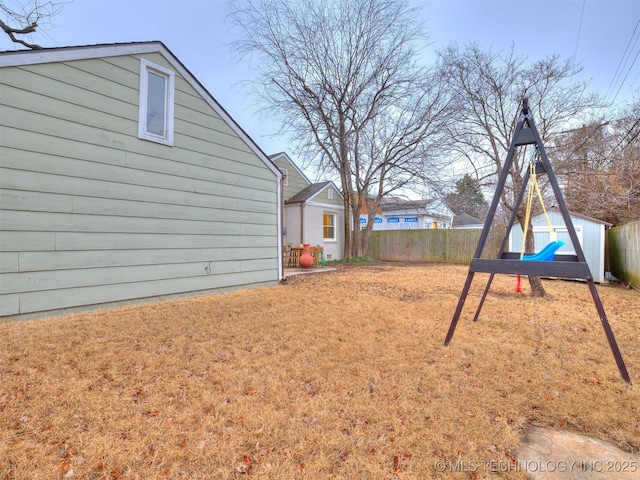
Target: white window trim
(335, 219)
(145, 68)
(566, 249)
(330, 193)
(285, 172)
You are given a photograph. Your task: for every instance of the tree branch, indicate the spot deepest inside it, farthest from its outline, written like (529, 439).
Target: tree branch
(20, 31)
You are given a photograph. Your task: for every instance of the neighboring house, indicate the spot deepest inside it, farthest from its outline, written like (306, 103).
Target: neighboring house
(590, 232)
(401, 214)
(123, 180)
(312, 212)
(464, 220)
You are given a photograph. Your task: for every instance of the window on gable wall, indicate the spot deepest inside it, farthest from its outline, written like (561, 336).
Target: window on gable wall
(285, 173)
(330, 194)
(155, 114)
(329, 226)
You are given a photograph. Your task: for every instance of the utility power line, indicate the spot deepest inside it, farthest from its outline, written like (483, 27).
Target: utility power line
(623, 62)
(575, 52)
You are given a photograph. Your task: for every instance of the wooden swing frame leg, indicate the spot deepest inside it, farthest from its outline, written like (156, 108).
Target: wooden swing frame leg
(484, 296)
(506, 262)
(503, 245)
(608, 332)
(456, 315)
(613, 344)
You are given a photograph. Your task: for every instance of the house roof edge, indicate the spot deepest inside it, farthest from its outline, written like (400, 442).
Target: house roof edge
(84, 52)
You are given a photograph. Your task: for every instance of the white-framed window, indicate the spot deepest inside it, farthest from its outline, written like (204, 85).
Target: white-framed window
(542, 237)
(329, 226)
(285, 173)
(155, 113)
(330, 193)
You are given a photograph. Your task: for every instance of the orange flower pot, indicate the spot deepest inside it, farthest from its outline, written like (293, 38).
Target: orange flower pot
(306, 260)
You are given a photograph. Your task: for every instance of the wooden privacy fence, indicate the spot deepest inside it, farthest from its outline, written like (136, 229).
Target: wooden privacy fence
(438, 245)
(624, 252)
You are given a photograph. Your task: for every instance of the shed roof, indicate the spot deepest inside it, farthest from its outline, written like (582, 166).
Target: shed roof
(579, 215)
(463, 219)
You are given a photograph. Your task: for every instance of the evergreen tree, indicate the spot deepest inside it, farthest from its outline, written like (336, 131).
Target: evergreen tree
(467, 198)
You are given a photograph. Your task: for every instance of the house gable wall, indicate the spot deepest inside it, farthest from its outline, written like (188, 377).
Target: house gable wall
(313, 229)
(323, 197)
(295, 181)
(304, 220)
(91, 214)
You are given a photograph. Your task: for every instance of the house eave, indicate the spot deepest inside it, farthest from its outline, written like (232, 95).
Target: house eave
(276, 156)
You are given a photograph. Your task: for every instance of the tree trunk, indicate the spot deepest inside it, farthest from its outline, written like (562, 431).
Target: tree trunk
(365, 235)
(537, 289)
(355, 230)
(346, 252)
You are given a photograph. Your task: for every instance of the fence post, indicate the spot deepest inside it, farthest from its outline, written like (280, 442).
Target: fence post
(624, 252)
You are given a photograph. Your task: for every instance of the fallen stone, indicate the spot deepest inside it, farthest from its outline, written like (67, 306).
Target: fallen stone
(547, 454)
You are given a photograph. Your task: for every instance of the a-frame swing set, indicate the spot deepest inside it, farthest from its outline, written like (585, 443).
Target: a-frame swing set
(546, 262)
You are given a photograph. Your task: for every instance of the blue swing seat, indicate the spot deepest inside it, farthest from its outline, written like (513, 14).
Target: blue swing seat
(546, 254)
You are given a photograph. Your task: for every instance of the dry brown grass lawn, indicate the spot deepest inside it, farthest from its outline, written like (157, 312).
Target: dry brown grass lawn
(340, 374)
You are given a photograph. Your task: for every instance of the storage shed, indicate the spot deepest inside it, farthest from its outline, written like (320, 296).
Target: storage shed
(123, 180)
(590, 232)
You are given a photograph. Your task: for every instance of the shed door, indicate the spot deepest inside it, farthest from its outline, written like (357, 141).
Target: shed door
(542, 237)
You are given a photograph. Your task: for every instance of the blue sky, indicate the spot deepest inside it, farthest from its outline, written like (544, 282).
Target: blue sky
(597, 32)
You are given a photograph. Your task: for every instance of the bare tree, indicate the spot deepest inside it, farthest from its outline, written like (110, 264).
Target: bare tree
(599, 165)
(400, 149)
(624, 164)
(23, 18)
(342, 75)
(487, 89)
